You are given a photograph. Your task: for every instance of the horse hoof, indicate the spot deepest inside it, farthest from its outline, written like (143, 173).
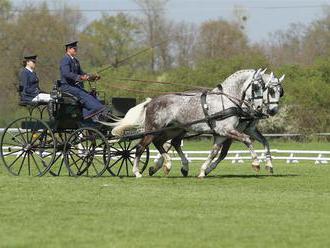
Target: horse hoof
(138, 175)
(184, 172)
(151, 171)
(269, 169)
(201, 176)
(207, 171)
(256, 168)
(166, 170)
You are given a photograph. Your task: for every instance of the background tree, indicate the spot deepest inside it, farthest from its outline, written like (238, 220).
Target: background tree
(220, 39)
(156, 30)
(109, 39)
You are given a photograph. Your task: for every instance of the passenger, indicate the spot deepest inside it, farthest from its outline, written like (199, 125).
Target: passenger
(72, 81)
(29, 82)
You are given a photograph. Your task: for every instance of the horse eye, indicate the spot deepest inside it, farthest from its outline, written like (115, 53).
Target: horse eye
(281, 92)
(271, 91)
(255, 87)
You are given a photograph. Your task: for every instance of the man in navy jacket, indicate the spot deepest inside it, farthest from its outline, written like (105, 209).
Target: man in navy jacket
(72, 81)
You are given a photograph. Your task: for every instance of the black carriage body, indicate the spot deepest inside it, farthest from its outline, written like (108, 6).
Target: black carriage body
(65, 112)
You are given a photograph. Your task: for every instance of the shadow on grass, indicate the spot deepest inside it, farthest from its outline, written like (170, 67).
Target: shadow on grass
(218, 176)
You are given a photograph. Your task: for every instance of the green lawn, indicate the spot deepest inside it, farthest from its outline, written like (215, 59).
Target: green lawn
(234, 207)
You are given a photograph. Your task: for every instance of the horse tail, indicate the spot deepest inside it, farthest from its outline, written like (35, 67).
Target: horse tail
(135, 117)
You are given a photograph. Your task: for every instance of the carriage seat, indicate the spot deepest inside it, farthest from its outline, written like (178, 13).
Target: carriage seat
(25, 103)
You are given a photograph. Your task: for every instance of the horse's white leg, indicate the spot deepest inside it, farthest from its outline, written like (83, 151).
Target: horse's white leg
(224, 151)
(176, 143)
(184, 161)
(234, 134)
(167, 165)
(212, 155)
(254, 133)
(158, 165)
(139, 150)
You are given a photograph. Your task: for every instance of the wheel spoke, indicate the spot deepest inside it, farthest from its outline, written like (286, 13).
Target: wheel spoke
(95, 168)
(16, 160)
(29, 167)
(126, 167)
(121, 165)
(16, 137)
(115, 163)
(9, 153)
(61, 165)
(35, 162)
(20, 168)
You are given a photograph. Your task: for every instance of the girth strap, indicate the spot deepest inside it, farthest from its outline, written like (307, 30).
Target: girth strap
(210, 122)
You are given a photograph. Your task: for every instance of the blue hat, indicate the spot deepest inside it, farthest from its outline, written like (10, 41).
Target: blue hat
(71, 44)
(31, 57)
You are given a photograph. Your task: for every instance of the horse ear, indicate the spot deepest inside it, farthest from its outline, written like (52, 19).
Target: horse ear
(257, 74)
(281, 78)
(263, 72)
(271, 77)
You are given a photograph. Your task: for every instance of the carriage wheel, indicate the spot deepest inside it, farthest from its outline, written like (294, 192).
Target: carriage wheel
(122, 155)
(28, 147)
(84, 153)
(59, 168)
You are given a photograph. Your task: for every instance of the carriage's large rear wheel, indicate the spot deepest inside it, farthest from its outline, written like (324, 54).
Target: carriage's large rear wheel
(28, 147)
(85, 153)
(59, 168)
(122, 155)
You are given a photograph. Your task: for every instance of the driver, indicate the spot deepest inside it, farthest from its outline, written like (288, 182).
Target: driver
(72, 81)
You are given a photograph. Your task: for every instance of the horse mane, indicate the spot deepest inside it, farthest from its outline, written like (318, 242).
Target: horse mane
(237, 73)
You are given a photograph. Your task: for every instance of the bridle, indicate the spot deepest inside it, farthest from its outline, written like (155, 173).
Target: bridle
(255, 85)
(270, 91)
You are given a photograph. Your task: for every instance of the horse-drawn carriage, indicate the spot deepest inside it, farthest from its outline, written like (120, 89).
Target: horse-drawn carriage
(64, 144)
(54, 138)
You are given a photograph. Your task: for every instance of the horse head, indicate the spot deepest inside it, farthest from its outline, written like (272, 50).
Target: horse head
(272, 93)
(254, 90)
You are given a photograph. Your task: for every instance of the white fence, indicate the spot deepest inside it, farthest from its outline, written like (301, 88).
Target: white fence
(290, 156)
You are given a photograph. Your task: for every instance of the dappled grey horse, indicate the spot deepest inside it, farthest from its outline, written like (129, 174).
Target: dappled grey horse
(272, 94)
(172, 116)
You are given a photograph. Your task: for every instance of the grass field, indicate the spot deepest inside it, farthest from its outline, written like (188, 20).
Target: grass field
(234, 207)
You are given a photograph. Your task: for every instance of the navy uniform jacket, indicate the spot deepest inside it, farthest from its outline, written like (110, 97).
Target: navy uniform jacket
(30, 83)
(70, 82)
(71, 71)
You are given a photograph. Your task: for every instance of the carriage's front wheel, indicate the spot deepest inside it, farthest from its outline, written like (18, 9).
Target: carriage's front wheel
(122, 155)
(84, 153)
(28, 147)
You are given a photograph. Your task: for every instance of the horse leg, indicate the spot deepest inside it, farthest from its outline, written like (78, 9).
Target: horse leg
(146, 140)
(254, 133)
(167, 165)
(159, 164)
(224, 151)
(234, 134)
(160, 160)
(176, 143)
(212, 155)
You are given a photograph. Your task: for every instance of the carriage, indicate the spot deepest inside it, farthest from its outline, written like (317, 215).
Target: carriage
(64, 144)
(54, 139)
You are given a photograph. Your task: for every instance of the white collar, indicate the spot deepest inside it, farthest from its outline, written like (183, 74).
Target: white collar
(29, 69)
(70, 56)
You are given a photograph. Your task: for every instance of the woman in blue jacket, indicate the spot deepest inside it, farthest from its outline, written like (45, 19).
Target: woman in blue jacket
(29, 82)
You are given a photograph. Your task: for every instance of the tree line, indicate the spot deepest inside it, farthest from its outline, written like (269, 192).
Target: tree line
(186, 53)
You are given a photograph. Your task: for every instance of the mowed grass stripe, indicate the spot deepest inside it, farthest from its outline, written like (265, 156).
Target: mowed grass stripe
(233, 207)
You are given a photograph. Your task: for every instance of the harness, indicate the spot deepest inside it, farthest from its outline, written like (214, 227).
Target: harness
(238, 110)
